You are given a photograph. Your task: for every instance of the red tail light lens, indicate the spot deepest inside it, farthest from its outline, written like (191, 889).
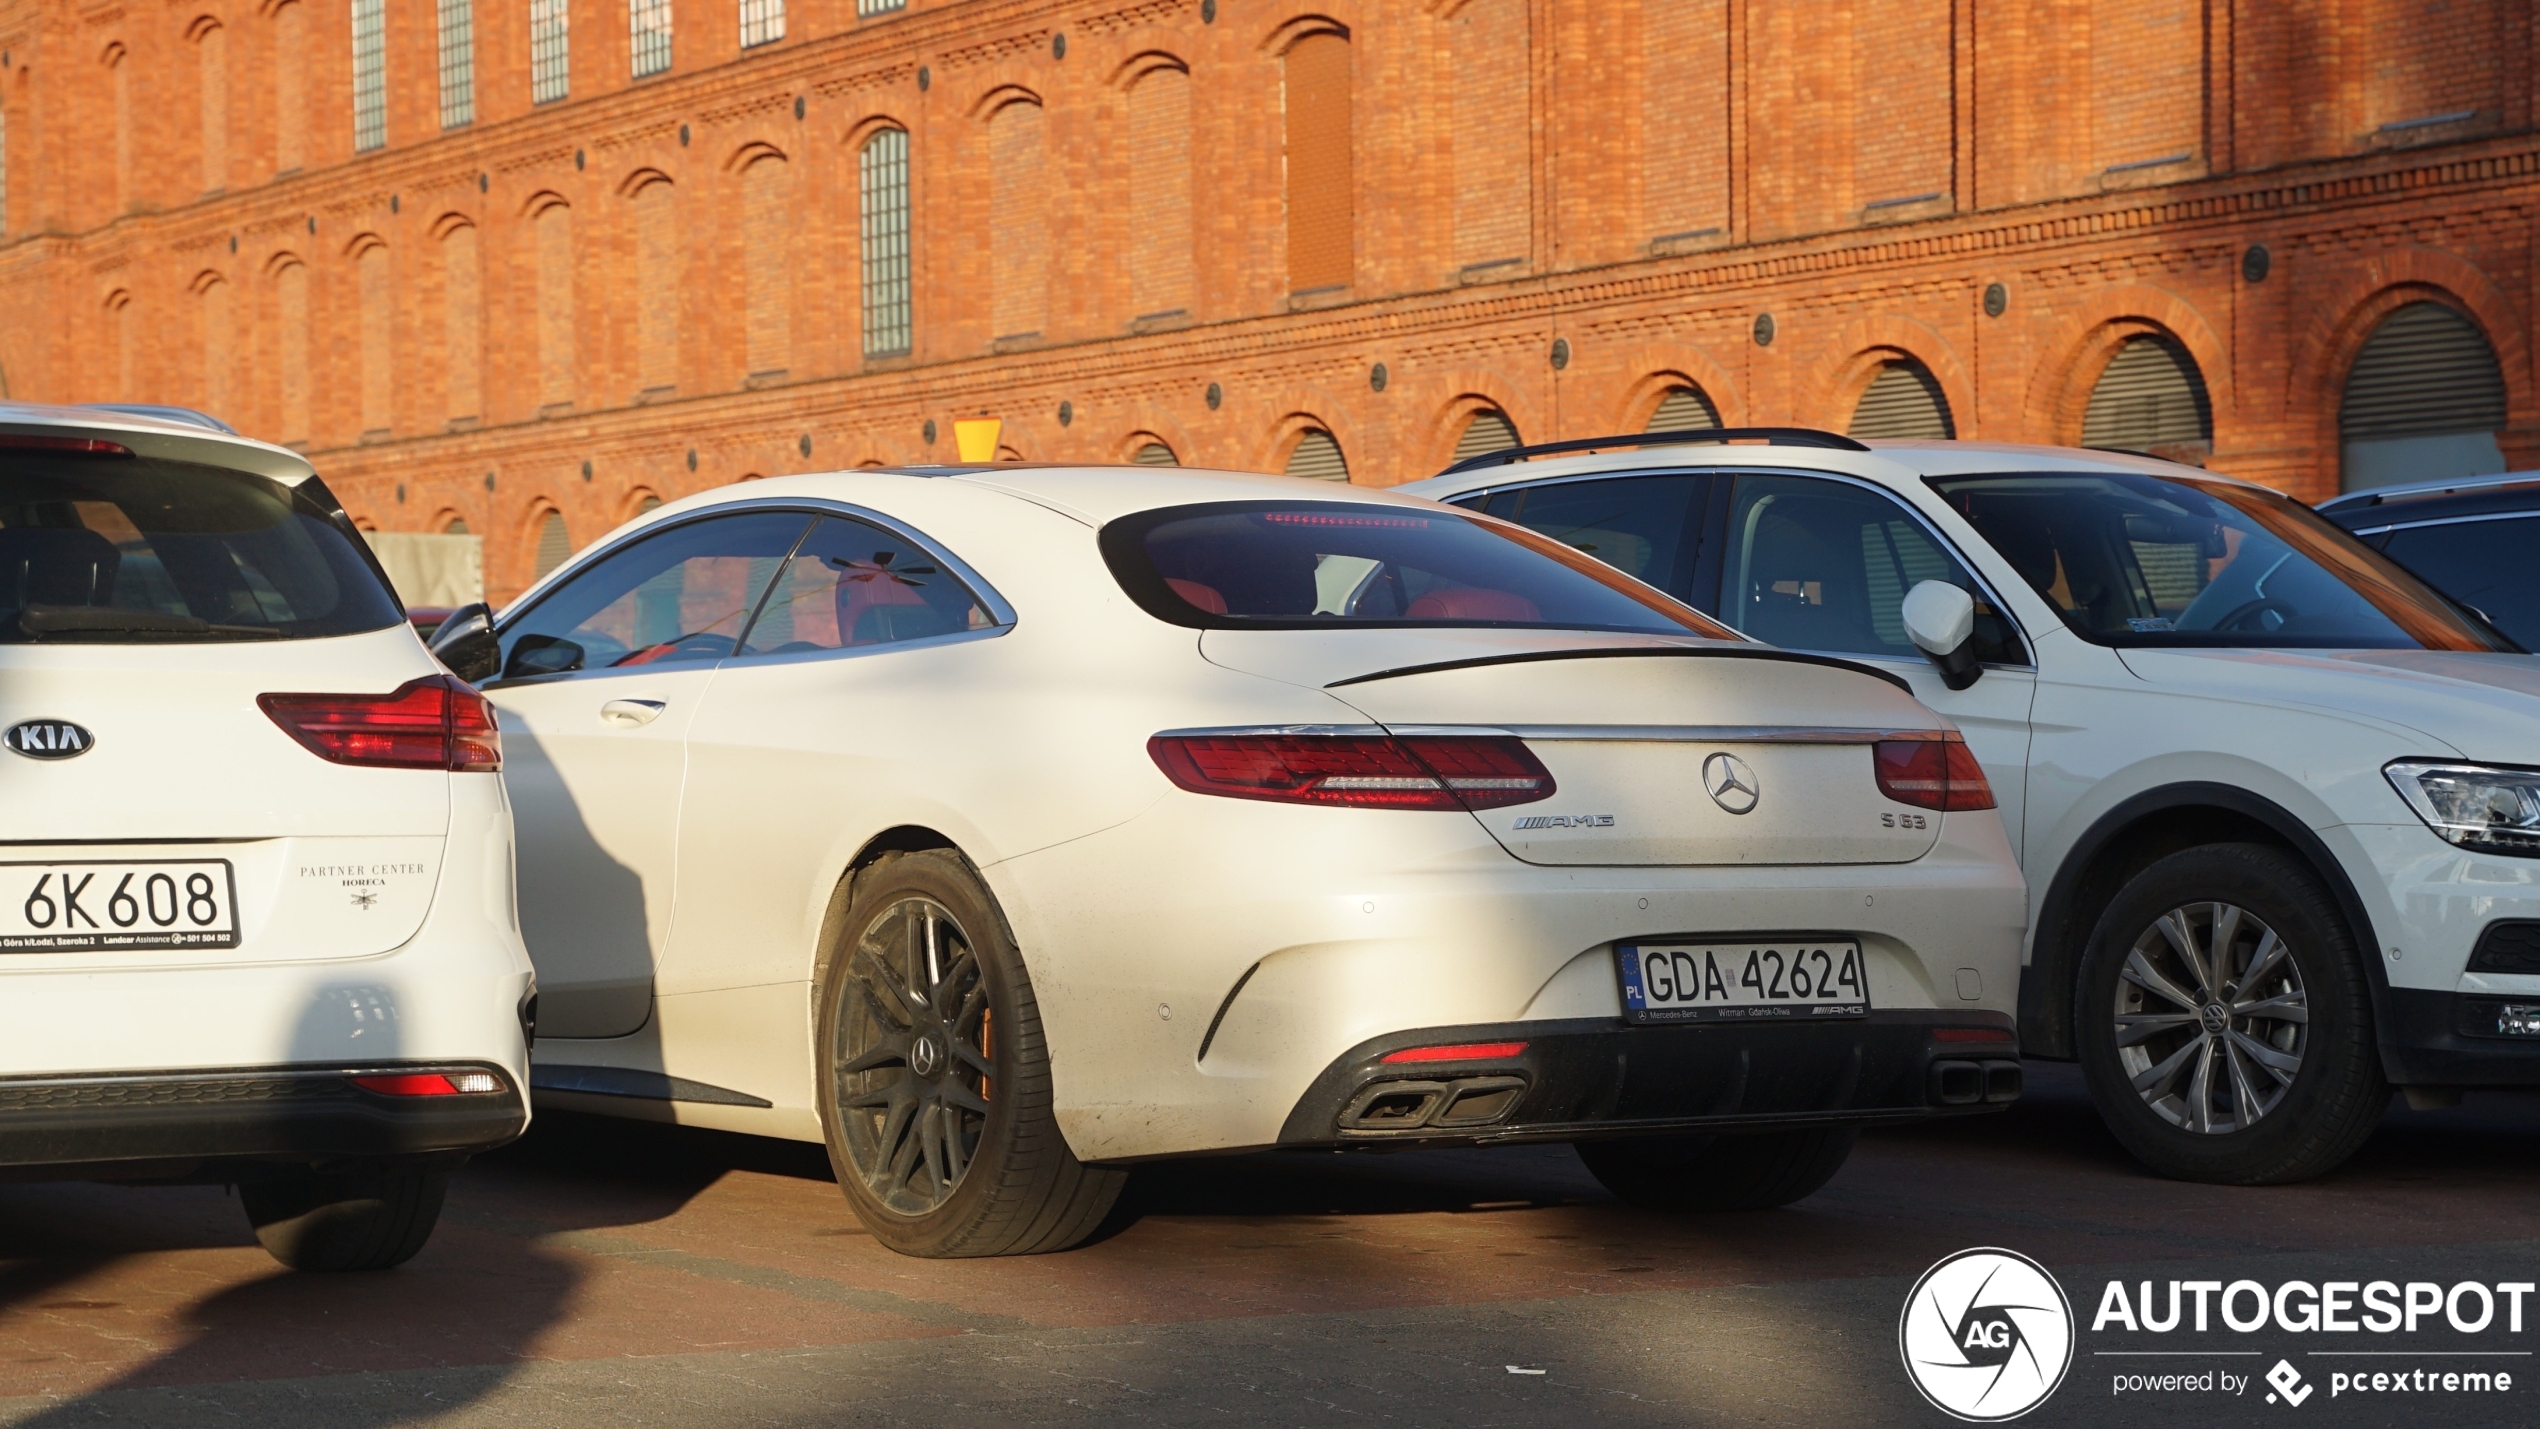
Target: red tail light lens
(1931, 774)
(432, 723)
(430, 1084)
(1460, 1052)
(1449, 772)
(77, 446)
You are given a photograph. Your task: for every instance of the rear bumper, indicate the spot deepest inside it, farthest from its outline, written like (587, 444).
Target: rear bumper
(196, 1124)
(1587, 1078)
(2450, 1039)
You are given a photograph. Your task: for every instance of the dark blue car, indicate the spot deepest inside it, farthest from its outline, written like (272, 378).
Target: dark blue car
(2476, 539)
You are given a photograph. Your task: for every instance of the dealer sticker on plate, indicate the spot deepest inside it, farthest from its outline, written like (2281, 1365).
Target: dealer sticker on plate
(1742, 981)
(130, 907)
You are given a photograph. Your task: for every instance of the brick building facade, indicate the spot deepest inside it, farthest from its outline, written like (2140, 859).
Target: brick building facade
(530, 264)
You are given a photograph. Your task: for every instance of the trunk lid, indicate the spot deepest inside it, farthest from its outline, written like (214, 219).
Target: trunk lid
(1636, 733)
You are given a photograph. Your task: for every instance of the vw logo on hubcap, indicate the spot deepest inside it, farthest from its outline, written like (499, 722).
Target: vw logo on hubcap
(923, 1057)
(2216, 1017)
(1731, 782)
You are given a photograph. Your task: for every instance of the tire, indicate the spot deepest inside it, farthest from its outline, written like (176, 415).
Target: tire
(935, 1098)
(1719, 1173)
(2199, 1082)
(365, 1218)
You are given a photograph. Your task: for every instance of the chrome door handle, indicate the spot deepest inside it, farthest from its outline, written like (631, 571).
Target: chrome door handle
(626, 714)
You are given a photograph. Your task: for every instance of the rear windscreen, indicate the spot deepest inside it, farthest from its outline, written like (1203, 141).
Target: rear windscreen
(1319, 565)
(116, 549)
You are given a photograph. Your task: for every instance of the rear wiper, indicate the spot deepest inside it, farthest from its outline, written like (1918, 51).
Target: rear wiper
(38, 621)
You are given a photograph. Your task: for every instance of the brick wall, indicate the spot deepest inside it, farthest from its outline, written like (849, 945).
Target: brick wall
(657, 282)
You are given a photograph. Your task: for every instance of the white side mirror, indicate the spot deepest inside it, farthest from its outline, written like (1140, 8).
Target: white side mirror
(1940, 619)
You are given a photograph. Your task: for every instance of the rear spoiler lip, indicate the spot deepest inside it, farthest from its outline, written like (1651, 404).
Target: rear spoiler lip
(1706, 652)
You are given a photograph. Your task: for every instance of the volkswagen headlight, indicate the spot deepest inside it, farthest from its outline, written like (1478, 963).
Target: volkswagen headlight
(2474, 806)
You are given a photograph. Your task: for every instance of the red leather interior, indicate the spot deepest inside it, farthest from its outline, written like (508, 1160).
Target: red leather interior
(861, 592)
(1473, 603)
(1205, 597)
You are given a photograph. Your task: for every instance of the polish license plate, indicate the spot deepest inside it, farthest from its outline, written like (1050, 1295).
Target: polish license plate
(1796, 978)
(102, 906)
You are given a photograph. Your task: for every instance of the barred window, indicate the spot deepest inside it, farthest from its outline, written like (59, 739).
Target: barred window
(550, 77)
(370, 75)
(886, 255)
(878, 7)
(762, 22)
(648, 29)
(458, 61)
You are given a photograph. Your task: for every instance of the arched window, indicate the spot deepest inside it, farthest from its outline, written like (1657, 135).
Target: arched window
(1487, 430)
(2151, 398)
(552, 236)
(220, 355)
(462, 340)
(1683, 409)
(882, 175)
(550, 52)
(2423, 401)
(370, 75)
(1903, 402)
(457, 50)
(1321, 196)
(649, 503)
(656, 290)
(1159, 214)
(456, 526)
(1158, 454)
(211, 66)
(291, 331)
(1492, 93)
(1018, 224)
(553, 544)
(376, 296)
(290, 85)
(1319, 456)
(766, 275)
(648, 36)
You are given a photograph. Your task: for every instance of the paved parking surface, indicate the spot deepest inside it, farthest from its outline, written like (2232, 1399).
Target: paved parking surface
(605, 1272)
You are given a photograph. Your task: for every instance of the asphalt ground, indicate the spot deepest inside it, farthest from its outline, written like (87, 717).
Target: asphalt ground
(621, 1274)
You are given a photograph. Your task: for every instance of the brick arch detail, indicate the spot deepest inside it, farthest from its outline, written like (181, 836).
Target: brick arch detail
(1142, 421)
(747, 155)
(1283, 35)
(1654, 368)
(449, 223)
(539, 202)
(2325, 350)
(2088, 338)
(639, 179)
(1145, 61)
(1001, 93)
(366, 240)
(1867, 344)
(205, 281)
(1470, 390)
(1303, 408)
(860, 132)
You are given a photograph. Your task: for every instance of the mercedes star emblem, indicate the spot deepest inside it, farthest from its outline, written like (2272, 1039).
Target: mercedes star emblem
(1731, 782)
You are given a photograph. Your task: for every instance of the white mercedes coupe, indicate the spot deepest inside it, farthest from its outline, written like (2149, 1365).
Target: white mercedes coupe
(1001, 827)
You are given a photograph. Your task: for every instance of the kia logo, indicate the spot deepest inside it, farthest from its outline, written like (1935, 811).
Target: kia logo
(48, 739)
(1731, 782)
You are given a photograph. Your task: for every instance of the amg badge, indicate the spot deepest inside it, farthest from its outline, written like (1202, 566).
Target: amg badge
(48, 739)
(1566, 821)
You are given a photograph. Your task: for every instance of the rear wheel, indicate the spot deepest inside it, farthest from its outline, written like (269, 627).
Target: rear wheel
(2224, 1020)
(935, 1081)
(1719, 1173)
(364, 1218)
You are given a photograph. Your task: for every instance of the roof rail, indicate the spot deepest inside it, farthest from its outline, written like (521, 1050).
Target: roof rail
(186, 415)
(1771, 436)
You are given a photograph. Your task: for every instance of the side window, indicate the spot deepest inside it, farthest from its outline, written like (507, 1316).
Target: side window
(1646, 525)
(1821, 565)
(684, 594)
(2483, 564)
(854, 584)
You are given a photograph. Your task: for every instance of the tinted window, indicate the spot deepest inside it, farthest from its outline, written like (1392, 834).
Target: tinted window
(1298, 565)
(121, 549)
(1822, 565)
(853, 584)
(2134, 559)
(683, 594)
(1643, 525)
(2488, 565)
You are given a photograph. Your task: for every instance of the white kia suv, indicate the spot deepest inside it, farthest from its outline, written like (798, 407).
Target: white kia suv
(256, 916)
(2278, 802)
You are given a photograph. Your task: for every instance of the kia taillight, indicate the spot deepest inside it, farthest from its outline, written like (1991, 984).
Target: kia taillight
(432, 723)
(1365, 771)
(1938, 773)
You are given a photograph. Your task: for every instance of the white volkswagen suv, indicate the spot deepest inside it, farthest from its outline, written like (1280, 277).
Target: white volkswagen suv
(2277, 801)
(256, 916)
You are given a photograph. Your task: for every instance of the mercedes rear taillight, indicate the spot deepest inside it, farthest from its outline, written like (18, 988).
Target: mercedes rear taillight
(1364, 771)
(432, 723)
(1936, 772)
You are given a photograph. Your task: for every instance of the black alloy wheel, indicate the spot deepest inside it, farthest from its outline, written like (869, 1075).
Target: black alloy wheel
(913, 1056)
